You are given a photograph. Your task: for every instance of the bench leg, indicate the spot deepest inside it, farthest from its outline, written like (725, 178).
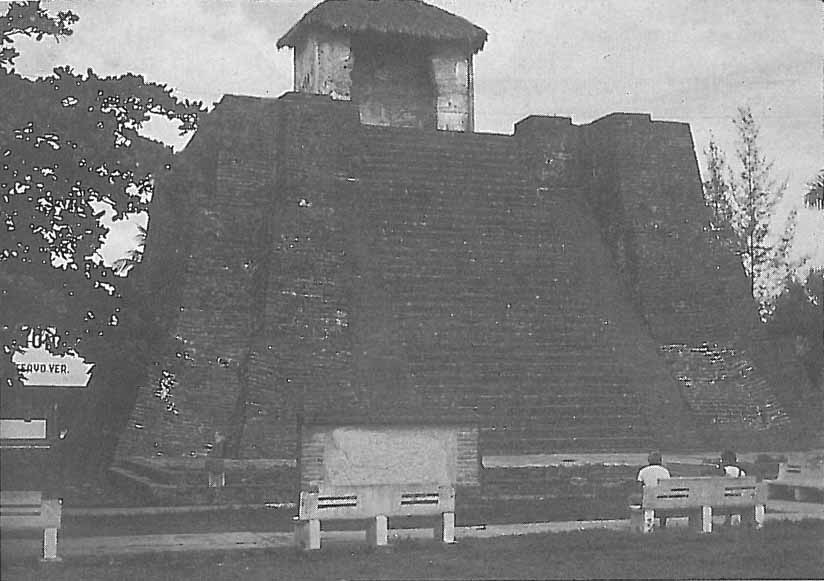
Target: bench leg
(706, 519)
(50, 545)
(641, 520)
(445, 529)
(377, 532)
(307, 534)
(701, 519)
(758, 515)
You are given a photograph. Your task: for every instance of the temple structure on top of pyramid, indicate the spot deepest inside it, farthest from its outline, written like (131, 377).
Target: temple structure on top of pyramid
(353, 252)
(404, 63)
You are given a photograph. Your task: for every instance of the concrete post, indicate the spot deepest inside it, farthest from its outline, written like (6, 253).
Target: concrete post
(50, 545)
(445, 529)
(377, 533)
(706, 519)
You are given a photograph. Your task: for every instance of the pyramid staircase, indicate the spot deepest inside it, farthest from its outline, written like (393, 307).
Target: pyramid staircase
(462, 202)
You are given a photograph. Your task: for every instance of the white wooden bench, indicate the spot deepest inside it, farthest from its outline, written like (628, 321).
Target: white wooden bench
(375, 504)
(28, 510)
(803, 474)
(699, 499)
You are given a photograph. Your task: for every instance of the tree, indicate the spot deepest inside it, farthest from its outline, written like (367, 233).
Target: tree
(28, 19)
(799, 316)
(718, 193)
(743, 202)
(69, 148)
(778, 265)
(716, 186)
(814, 198)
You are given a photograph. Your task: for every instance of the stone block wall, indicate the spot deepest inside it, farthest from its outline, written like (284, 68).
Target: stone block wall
(301, 355)
(648, 197)
(328, 271)
(689, 289)
(214, 254)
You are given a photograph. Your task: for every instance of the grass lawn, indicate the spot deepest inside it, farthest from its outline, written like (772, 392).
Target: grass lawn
(780, 550)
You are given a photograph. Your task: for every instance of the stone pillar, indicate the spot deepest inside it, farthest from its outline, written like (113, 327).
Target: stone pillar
(452, 74)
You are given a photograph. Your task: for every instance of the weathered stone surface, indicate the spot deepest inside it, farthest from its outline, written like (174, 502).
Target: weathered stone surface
(549, 286)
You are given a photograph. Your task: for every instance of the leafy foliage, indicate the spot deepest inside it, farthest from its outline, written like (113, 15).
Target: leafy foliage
(30, 20)
(69, 150)
(743, 201)
(799, 316)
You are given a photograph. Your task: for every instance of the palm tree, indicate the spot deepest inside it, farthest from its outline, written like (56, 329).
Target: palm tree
(814, 198)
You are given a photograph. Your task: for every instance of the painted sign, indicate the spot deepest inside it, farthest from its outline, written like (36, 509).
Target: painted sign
(375, 455)
(40, 368)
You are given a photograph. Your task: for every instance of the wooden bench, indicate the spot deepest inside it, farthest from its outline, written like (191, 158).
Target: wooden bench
(803, 474)
(375, 504)
(699, 499)
(28, 510)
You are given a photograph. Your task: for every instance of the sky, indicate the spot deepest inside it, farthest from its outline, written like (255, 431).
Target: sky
(694, 61)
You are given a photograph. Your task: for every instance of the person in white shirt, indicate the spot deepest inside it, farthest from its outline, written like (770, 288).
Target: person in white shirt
(649, 475)
(729, 464)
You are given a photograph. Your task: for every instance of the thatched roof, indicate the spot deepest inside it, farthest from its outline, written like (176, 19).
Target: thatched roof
(411, 18)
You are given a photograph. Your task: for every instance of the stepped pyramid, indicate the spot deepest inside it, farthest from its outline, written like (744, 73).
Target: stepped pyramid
(324, 270)
(349, 253)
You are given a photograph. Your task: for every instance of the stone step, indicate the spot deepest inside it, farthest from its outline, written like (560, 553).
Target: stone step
(531, 445)
(556, 432)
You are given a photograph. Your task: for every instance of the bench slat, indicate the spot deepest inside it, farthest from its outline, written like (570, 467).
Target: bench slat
(19, 510)
(20, 497)
(358, 502)
(693, 493)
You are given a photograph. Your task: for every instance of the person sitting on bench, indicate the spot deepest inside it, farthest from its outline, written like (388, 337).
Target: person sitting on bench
(730, 466)
(649, 475)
